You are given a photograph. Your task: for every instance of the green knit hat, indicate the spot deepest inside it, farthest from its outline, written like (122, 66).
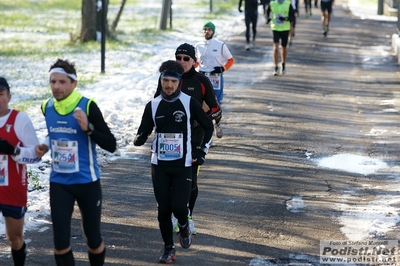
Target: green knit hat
(210, 25)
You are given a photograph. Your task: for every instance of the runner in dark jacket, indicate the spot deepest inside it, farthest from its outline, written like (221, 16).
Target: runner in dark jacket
(200, 88)
(250, 17)
(172, 115)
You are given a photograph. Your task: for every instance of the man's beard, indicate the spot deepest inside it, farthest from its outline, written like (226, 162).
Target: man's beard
(210, 37)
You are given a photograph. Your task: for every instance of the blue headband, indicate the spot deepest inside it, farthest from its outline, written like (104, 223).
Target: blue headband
(171, 74)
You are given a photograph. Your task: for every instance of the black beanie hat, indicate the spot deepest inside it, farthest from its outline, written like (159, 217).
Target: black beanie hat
(186, 49)
(3, 84)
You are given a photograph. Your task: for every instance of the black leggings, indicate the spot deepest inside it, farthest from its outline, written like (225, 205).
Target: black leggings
(308, 5)
(172, 187)
(251, 17)
(195, 172)
(62, 200)
(195, 188)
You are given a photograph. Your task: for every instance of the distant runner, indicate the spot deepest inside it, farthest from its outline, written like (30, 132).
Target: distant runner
(326, 8)
(308, 5)
(282, 14)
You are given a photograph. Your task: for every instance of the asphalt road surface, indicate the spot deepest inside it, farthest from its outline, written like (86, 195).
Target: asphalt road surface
(274, 130)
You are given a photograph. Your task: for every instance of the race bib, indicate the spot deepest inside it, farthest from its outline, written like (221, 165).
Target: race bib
(65, 156)
(3, 170)
(215, 79)
(170, 146)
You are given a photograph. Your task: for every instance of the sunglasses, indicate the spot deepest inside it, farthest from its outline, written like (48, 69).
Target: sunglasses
(185, 58)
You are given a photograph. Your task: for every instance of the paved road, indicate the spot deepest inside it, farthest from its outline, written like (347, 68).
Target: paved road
(275, 129)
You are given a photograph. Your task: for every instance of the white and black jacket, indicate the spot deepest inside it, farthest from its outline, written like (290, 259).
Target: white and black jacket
(174, 116)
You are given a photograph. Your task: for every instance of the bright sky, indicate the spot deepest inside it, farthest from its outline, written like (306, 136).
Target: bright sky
(130, 82)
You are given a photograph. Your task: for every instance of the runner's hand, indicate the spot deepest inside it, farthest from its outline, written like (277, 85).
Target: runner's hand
(82, 118)
(282, 18)
(6, 147)
(199, 156)
(41, 150)
(218, 70)
(217, 116)
(140, 139)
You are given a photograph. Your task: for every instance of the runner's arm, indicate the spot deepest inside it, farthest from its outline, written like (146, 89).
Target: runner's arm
(101, 135)
(209, 98)
(291, 13)
(26, 134)
(205, 122)
(146, 126)
(229, 64)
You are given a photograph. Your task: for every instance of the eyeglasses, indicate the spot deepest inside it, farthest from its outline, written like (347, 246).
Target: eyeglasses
(185, 58)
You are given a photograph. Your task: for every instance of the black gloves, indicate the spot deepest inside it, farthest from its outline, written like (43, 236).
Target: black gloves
(218, 70)
(282, 18)
(6, 147)
(140, 139)
(240, 10)
(199, 156)
(217, 116)
(268, 20)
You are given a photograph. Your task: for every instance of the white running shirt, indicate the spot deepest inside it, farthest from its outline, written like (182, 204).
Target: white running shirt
(25, 132)
(212, 53)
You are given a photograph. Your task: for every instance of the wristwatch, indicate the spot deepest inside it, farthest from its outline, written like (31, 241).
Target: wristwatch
(17, 151)
(90, 128)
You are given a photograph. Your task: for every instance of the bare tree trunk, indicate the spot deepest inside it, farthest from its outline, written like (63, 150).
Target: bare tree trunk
(88, 30)
(115, 22)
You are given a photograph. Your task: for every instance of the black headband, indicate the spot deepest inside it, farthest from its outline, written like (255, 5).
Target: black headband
(171, 74)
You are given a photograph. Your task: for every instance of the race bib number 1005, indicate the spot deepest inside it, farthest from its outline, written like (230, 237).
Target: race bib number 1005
(170, 146)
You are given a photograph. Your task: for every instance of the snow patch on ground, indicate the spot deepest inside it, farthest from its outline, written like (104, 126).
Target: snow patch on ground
(352, 163)
(295, 204)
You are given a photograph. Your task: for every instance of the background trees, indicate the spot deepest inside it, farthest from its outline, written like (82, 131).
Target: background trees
(92, 19)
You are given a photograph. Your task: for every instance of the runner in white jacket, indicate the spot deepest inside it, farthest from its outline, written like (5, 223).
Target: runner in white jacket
(17, 148)
(214, 58)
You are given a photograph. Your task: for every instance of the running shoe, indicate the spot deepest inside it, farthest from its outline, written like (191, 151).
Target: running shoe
(326, 30)
(283, 71)
(247, 47)
(218, 131)
(175, 227)
(191, 225)
(168, 255)
(185, 236)
(276, 72)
